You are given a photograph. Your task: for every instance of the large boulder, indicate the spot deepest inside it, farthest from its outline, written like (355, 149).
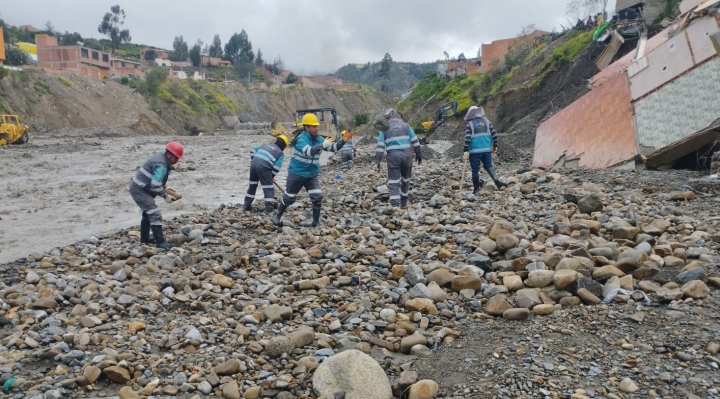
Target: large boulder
(353, 373)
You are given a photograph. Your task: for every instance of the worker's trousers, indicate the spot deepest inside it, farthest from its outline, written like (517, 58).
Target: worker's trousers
(399, 173)
(147, 205)
(484, 158)
(295, 183)
(347, 159)
(261, 173)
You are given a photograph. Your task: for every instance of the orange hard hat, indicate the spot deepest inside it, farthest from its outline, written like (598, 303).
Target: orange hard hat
(175, 148)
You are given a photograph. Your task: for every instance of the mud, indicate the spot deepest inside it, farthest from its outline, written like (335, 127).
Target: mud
(62, 190)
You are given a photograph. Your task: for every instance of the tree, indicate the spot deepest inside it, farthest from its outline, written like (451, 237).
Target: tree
(180, 49)
(291, 78)
(385, 67)
(216, 49)
(110, 27)
(154, 79)
(195, 53)
(259, 60)
(15, 56)
(581, 9)
(239, 49)
(150, 55)
(279, 65)
(70, 39)
(206, 50)
(50, 29)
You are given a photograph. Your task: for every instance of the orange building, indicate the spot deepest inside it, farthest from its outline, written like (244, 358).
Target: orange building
(493, 54)
(79, 59)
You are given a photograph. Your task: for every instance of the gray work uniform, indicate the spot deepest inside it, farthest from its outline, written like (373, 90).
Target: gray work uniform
(266, 161)
(148, 183)
(347, 154)
(398, 141)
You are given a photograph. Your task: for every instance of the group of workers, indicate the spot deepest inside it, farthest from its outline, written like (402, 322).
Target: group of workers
(395, 137)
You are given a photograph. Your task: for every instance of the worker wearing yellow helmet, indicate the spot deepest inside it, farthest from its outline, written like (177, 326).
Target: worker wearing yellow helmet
(265, 162)
(348, 152)
(305, 166)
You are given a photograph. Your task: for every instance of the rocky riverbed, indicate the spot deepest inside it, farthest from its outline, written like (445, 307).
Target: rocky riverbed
(577, 284)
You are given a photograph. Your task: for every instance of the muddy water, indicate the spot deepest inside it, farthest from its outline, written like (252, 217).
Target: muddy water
(54, 192)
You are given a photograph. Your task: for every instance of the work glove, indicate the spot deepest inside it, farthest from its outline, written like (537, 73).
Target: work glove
(466, 155)
(327, 144)
(495, 149)
(171, 191)
(348, 135)
(418, 158)
(169, 198)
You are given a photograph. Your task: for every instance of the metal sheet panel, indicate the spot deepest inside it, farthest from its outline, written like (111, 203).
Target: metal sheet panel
(680, 109)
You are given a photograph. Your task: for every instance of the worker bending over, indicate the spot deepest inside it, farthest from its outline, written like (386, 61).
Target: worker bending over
(265, 163)
(149, 182)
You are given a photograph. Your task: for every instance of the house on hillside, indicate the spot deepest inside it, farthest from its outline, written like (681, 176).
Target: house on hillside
(214, 61)
(124, 68)
(493, 54)
(79, 59)
(648, 10)
(657, 104)
(159, 53)
(184, 73)
(29, 28)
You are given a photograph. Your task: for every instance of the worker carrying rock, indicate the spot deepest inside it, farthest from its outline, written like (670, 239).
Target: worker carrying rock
(265, 163)
(305, 166)
(149, 182)
(480, 145)
(347, 153)
(397, 140)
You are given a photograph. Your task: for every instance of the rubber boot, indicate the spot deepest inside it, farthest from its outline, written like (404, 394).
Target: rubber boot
(316, 216)
(278, 215)
(248, 204)
(269, 207)
(145, 230)
(159, 239)
(498, 183)
(476, 185)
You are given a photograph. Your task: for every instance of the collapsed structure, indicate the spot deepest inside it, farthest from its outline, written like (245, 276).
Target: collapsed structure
(652, 106)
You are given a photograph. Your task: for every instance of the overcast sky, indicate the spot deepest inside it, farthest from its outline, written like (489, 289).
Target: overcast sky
(312, 36)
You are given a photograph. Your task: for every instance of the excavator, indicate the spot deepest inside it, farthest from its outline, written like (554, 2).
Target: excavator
(11, 131)
(445, 111)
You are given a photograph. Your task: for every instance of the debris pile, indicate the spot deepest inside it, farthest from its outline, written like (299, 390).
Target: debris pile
(244, 309)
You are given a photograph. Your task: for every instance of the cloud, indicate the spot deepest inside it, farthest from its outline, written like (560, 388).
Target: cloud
(312, 36)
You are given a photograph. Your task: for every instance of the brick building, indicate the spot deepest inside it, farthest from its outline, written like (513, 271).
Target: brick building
(493, 54)
(124, 68)
(79, 59)
(159, 53)
(214, 61)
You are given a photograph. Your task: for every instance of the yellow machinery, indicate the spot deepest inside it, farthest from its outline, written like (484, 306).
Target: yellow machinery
(11, 131)
(328, 123)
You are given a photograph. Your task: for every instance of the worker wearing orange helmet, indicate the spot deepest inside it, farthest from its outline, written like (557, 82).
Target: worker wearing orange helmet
(305, 166)
(265, 162)
(149, 182)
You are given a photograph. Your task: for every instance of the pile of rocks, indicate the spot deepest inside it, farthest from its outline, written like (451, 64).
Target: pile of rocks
(244, 308)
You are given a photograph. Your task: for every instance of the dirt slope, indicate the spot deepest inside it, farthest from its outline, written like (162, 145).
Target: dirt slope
(73, 101)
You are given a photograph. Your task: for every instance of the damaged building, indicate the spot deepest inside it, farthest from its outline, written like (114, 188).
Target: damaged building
(651, 107)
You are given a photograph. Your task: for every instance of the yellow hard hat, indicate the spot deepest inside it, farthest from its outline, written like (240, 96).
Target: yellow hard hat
(344, 131)
(284, 138)
(310, 120)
